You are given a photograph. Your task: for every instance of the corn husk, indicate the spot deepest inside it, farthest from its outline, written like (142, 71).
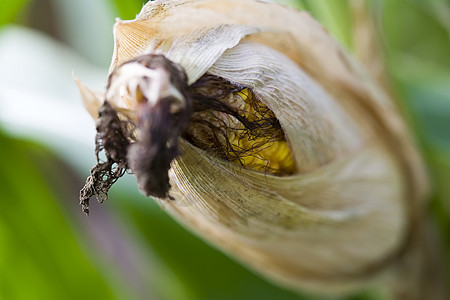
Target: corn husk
(345, 219)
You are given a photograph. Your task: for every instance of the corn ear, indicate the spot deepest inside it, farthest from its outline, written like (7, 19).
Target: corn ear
(346, 217)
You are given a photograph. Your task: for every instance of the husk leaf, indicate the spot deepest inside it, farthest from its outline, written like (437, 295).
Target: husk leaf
(342, 221)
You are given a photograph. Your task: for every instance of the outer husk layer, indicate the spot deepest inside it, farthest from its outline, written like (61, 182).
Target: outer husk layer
(341, 221)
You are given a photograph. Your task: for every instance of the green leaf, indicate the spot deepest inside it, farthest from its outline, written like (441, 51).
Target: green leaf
(128, 9)
(412, 30)
(430, 103)
(40, 257)
(9, 9)
(335, 15)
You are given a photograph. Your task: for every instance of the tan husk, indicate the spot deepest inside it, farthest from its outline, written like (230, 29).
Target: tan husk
(345, 218)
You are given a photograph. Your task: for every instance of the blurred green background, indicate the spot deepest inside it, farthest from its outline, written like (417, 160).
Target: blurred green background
(129, 248)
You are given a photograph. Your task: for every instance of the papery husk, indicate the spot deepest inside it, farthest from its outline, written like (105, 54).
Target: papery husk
(346, 219)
